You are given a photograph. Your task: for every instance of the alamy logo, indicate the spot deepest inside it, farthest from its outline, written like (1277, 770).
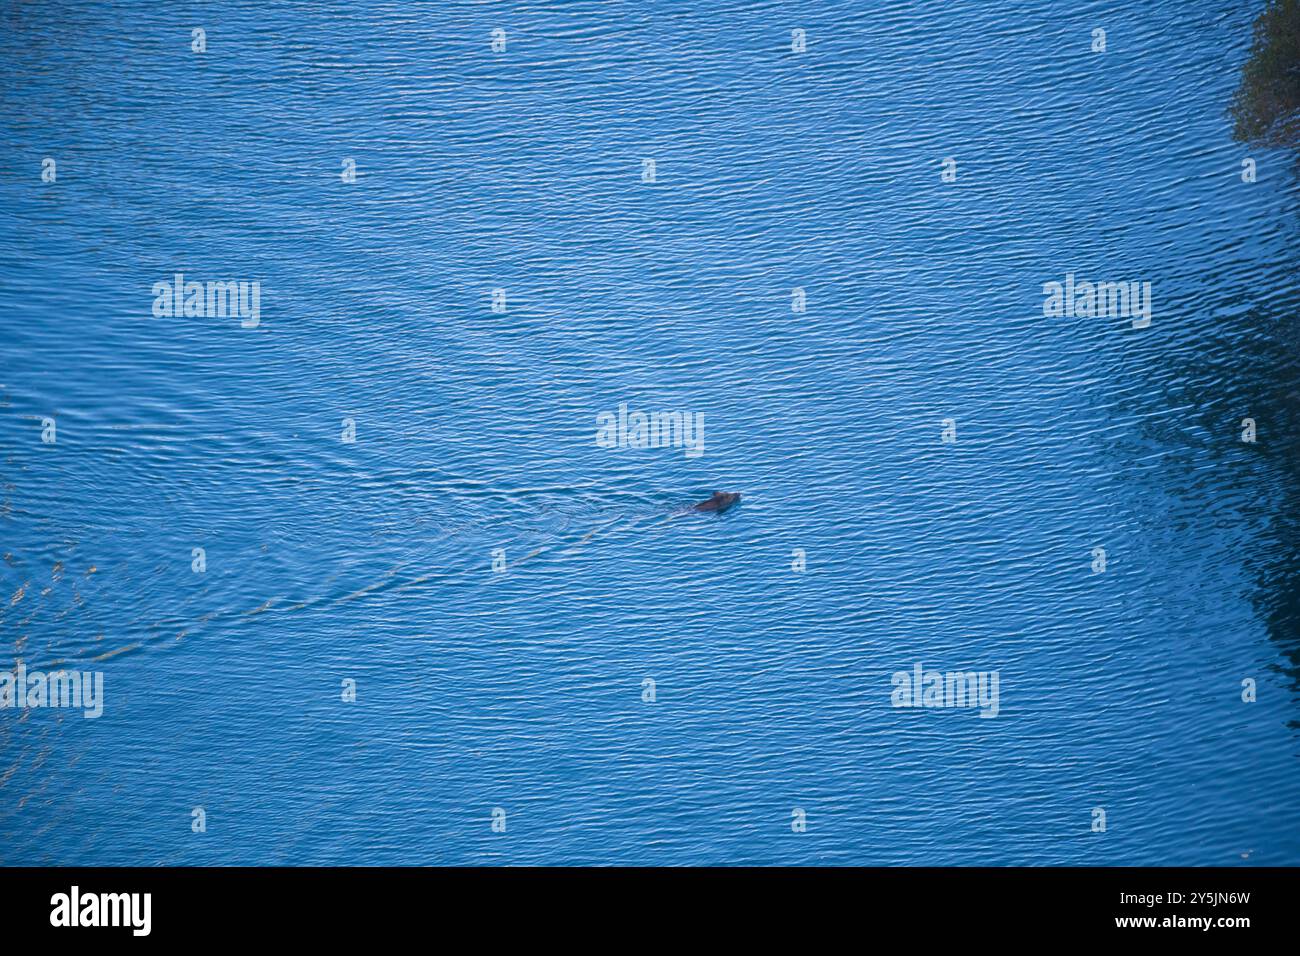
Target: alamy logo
(922, 688)
(213, 300)
(78, 689)
(1102, 300)
(653, 430)
(103, 909)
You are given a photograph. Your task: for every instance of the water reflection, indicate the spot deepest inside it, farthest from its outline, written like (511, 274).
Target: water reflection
(1266, 108)
(1266, 113)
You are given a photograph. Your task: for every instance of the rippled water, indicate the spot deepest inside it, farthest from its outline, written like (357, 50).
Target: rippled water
(475, 431)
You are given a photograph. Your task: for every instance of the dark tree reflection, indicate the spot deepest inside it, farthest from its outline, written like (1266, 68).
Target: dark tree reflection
(1266, 112)
(1266, 107)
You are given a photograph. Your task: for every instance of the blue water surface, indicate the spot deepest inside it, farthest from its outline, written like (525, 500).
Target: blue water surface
(525, 691)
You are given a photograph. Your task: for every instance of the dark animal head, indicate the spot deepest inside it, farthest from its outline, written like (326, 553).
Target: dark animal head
(722, 500)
